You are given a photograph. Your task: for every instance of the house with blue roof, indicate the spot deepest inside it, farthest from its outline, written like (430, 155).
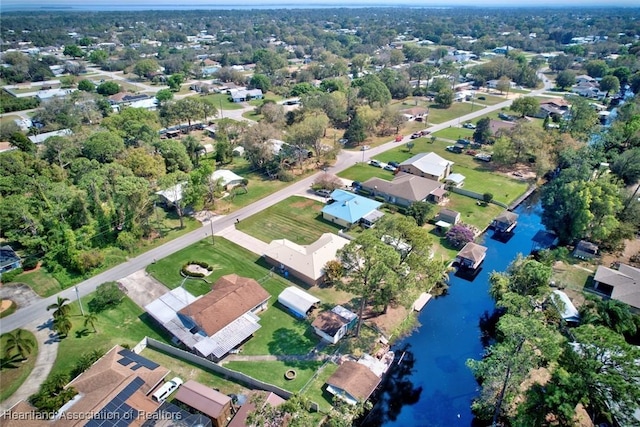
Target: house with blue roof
(348, 209)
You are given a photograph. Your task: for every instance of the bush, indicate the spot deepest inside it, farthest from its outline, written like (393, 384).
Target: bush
(186, 272)
(286, 176)
(107, 295)
(9, 276)
(88, 260)
(126, 241)
(487, 197)
(29, 263)
(459, 235)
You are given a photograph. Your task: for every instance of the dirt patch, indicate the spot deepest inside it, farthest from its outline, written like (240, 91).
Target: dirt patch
(387, 322)
(631, 247)
(302, 204)
(5, 305)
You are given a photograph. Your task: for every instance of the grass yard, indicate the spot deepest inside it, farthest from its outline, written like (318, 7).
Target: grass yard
(570, 276)
(363, 171)
(454, 133)
(190, 371)
(9, 118)
(490, 99)
(470, 213)
(315, 390)
(124, 324)
(296, 218)
(269, 96)
(272, 372)
(457, 109)
(222, 102)
(504, 189)
(13, 372)
(41, 281)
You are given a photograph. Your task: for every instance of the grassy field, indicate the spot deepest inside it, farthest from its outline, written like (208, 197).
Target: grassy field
(471, 213)
(124, 324)
(221, 101)
(8, 118)
(189, 371)
(315, 390)
(14, 373)
(273, 372)
(457, 109)
(46, 283)
(296, 218)
(454, 133)
(490, 99)
(363, 171)
(504, 189)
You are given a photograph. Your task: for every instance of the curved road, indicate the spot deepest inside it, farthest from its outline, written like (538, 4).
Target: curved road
(37, 311)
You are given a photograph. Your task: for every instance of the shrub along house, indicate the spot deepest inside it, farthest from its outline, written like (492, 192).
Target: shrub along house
(215, 323)
(404, 190)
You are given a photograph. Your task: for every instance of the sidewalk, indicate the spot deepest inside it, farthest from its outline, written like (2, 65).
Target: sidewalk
(47, 353)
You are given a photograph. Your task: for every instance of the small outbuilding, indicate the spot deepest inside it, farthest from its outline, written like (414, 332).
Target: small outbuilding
(455, 180)
(333, 325)
(207, 401)
(297, 301)
(566, 308)
(505, 222)
(585, 250)
(471, 256)
(449, 216)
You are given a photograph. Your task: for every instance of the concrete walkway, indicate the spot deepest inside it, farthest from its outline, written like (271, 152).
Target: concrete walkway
(47, 352)
(250, 243)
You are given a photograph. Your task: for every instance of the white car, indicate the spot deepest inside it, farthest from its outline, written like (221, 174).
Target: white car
(375, 163)
(388, 167)
(167, 388)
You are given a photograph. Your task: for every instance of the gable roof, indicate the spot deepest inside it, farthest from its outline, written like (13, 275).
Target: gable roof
(308, 260)
(625, 282)
(42, 137)
(231, 297)
(240, 418)
(329, 322)
(404, 185)
(350, 207)
(569, 312)
(472, 251)
(227, 176)
(297, 300)
(7, 256)
(497, 125)
(354, 378)
(448, 214)
(429, 163)
(456, 178)
(507, 217)
(205, 399)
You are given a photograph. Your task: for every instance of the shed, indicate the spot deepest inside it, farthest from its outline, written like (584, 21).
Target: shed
(471, 256)
(505, 222)
(449, 216)
(297, 301)
(455, 179)
(585, 250)
(333, 325)
(567, 310)
(206, 400)
(238, 151)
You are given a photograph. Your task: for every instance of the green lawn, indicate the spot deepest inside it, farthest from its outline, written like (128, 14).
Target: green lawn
(490, 99)
(297, 218)
(363, 171)
(457, 109)
(504, 189)
(454, 133)
(315, 390)
(124, 324)
(8, 118)
(222, 102)
(471, 213)
(272, 372)
(190, 371)
(13, 372)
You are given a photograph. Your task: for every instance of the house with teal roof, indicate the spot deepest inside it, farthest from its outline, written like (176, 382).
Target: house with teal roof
(347, 209)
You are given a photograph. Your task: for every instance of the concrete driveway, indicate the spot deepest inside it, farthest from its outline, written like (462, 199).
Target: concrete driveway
(142, 288)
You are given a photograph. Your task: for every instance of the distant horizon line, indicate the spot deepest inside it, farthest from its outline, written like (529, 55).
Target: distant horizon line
(100, 6)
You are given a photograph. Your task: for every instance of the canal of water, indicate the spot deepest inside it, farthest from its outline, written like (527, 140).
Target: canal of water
(432, 386)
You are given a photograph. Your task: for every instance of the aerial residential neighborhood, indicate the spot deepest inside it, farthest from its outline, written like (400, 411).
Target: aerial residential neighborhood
(331, 216)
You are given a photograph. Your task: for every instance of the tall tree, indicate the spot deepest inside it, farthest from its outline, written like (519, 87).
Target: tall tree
(20, 342)
(526, 105)
(60, 307)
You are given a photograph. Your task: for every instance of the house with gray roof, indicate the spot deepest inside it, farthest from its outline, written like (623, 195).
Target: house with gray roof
(622, 284)
(404, 190)
(427, 165)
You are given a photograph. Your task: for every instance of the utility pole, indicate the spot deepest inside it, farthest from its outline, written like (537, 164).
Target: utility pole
(79, 301)
(213, 241)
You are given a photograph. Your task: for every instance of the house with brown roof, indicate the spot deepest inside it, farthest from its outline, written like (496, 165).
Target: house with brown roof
(115, 389)
(205, 400)
(497, 127)
(622, 284)
(217, 322)
(353, 382)
(333, 325)
(556, 107)
(240, 418)
(471, 255)
(404, 190)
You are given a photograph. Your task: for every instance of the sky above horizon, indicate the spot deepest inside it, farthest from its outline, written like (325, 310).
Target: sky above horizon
(119, 4)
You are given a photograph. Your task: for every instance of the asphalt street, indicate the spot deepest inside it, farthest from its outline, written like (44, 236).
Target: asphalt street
(37, 310)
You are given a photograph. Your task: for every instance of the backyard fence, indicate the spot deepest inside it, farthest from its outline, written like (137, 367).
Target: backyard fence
(250, 382)
(475, 195)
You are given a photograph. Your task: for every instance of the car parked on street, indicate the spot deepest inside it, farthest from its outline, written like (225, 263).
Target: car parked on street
(416, 135)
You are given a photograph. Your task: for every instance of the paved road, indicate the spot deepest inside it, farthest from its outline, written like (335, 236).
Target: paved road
(37, 311)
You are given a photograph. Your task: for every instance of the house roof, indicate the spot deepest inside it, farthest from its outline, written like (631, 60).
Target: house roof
(244, 93)
(226, 175)
(415, 111)
(205, 399)
(7, 256)
(568, 312)
(354, 378)
(473, 252)
(448, 213)
(329, 322)
(172, 194)
(164, 309)
(507, 217)
(349, 207)
(496, 125)
(231, 296)
(557, 102)
(240, 418)
(584, 246)
(42, 137)
(625, 282)
(297, 300)
(128, 97)
(429, 163)
(308, 260)
(405, 186)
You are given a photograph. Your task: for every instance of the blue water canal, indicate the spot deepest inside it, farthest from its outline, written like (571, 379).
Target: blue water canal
(432, 385)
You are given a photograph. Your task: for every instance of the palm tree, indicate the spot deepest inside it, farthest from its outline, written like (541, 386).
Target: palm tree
(61, 309)
(91, 319)
(62, 325)
(19, 341)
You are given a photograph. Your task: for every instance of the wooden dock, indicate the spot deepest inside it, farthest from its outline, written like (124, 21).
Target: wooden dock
(520, 199)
